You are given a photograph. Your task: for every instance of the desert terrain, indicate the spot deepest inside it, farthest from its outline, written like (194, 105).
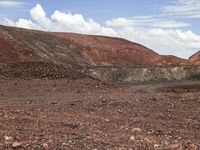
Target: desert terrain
(67, 91)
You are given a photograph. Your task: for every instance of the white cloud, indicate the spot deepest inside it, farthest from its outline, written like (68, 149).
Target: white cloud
(10, 4)
(76, 23)
(183, 8)
(22, 23)
(39, 16)
(60, 21)
(165, 41)
(160, 36)
(146, 21)
(120, 22)
(169, 24)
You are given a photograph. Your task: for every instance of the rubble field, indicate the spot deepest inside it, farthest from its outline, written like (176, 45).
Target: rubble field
(86, 114)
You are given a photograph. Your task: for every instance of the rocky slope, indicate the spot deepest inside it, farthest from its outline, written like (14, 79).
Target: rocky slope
(38, 70)
(19, 45)
(12, 50)
(145, 74)
(109, 51)
(195, 59)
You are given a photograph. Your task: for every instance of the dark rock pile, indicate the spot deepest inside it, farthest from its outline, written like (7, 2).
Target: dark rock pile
(38, 70)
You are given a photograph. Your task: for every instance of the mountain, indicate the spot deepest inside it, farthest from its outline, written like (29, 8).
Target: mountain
(22, 45)
(195, 59)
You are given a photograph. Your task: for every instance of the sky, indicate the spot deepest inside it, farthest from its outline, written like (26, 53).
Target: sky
(169, 27)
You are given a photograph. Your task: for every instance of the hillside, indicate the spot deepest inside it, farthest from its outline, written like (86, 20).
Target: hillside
(21, 45)
(100, 50)
(195, 59)
(109, 51)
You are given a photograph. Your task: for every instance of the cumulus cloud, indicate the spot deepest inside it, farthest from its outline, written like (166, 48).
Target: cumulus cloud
(39, 16)
(77, 23)
(162, 36)
(10, 4)
(60, 22)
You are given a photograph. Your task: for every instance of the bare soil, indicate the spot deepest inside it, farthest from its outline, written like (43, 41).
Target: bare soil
(85, 114)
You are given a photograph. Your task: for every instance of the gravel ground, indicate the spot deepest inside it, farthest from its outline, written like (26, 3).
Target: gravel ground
(85, 114)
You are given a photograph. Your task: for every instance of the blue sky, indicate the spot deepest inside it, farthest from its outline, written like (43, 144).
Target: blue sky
(166, 26)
